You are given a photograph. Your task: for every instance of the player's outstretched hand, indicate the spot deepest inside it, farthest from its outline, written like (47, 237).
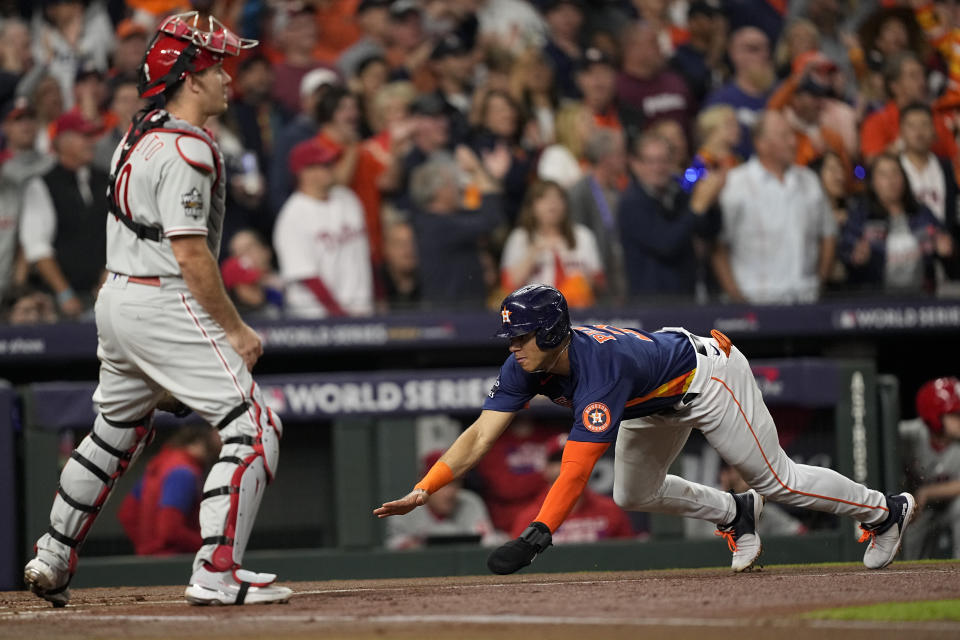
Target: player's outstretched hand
(247, 343)
(406, 504)
(521, 551)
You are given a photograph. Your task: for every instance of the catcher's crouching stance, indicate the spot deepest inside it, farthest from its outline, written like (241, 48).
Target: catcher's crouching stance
(164, 323)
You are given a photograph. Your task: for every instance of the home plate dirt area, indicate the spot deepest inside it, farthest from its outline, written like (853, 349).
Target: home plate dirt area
(679, 604)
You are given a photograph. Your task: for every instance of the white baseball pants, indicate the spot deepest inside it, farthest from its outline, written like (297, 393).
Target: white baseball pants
(152, 339)
(729, 410)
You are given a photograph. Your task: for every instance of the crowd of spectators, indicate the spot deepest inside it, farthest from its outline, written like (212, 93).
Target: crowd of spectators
(404, 154)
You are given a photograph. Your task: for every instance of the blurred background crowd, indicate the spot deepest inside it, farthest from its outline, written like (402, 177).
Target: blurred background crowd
(404, 154)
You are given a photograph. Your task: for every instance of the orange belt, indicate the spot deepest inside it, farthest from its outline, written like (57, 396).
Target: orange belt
(151, 281)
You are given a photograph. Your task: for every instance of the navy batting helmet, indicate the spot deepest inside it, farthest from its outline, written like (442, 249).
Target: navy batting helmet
(535, 308)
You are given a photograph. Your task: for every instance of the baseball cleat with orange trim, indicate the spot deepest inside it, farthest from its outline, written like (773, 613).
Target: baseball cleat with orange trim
(885, 538)
(741, 534)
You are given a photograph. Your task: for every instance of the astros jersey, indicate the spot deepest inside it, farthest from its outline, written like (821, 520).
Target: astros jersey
(171, 179)
(615, 374)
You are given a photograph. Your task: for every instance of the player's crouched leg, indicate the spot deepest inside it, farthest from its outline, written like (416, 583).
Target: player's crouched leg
(231, 499)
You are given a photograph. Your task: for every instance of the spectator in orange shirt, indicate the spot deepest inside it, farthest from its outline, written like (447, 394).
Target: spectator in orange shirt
(835, 113)
(339, 118)
(392, 127)
(147, 11)
(131, 45)
(803, 114)
(337, 27)
(718, 133)
(906, 82)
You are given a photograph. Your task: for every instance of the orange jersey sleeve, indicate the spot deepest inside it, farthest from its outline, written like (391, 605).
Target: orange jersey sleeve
(579, 459)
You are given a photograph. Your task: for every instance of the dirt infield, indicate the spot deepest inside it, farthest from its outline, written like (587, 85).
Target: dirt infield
(678, 604)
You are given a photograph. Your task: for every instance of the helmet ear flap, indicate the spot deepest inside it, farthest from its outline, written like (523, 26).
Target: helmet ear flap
(551, 337)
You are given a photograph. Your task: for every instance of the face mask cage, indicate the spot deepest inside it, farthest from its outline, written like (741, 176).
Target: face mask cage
(216, 38)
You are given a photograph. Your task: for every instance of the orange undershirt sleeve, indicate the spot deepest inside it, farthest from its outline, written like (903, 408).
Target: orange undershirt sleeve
(578, 461)
(438, 476)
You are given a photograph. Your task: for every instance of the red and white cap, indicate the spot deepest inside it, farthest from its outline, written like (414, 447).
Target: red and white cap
(181, 47)
(937, 398)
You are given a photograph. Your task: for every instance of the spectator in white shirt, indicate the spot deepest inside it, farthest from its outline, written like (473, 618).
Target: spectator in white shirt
(510, 24)
(931, 178)
(779, 234)
(548, 248)
(64, 210)
(321, 240)
(453, 514)
(66, 34)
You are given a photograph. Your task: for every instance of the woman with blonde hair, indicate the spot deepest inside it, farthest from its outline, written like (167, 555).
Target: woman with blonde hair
(533, 85)
(717, 135)
(392, 127)
(799, 36)
(562, 161)
(547, 247)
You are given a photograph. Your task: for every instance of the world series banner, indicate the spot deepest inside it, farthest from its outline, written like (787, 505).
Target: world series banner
(68, 405)
(77, 341)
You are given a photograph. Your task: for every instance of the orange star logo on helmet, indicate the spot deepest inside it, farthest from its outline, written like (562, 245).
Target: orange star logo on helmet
(596, 417)
(505, 314)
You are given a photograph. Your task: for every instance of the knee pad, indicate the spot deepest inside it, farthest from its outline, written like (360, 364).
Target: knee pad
(235, 485)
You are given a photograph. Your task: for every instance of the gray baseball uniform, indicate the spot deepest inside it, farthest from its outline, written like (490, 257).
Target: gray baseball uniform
(154, 336)
(930, 465)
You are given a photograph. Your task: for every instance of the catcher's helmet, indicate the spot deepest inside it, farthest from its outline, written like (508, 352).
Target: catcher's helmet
(535, 308)
(936, 398)
(181, 47)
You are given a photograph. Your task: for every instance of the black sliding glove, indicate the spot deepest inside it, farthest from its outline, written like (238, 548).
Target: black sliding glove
(521, 551)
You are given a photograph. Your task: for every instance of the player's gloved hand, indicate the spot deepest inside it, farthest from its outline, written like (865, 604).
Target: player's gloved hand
(521, 551)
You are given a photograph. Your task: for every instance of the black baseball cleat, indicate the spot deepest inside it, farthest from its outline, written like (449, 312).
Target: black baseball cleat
(741, 534)
(885, 538)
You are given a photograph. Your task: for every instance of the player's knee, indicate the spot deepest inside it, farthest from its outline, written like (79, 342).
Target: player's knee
(632, 499)
(270, 441)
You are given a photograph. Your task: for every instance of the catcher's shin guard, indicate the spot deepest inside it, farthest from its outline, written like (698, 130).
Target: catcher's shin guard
(235, 485)
(86, 482)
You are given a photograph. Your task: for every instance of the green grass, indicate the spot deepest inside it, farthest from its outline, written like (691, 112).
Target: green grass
(854, 564)
(858, 564)
(920, 611)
